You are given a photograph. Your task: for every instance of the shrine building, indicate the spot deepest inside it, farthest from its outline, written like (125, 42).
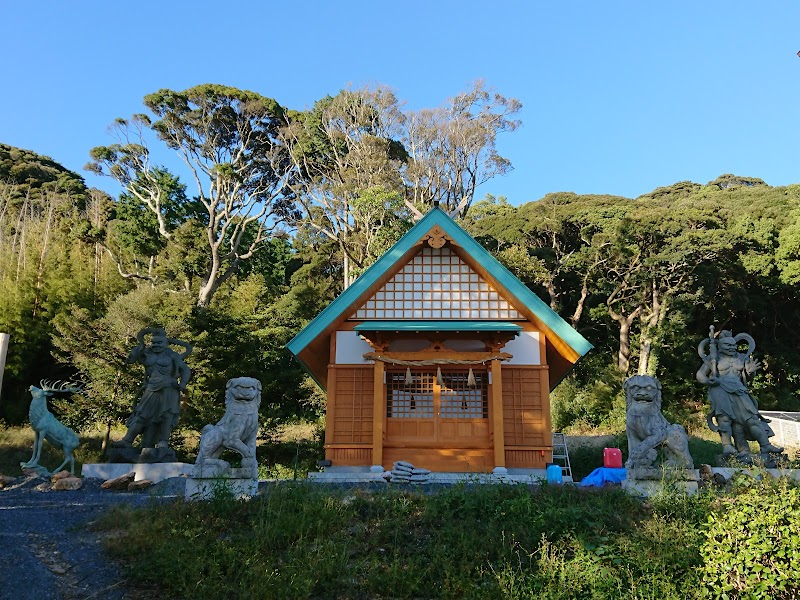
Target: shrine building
(437, 355)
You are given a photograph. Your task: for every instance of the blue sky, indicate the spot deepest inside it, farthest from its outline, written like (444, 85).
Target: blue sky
(619, 97)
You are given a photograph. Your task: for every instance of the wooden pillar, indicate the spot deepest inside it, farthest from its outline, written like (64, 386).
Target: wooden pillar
(330, 410)
(378, 415)
(497, 419)
(545, 396)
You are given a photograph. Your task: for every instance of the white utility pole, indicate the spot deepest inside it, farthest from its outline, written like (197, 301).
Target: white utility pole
(4, 337)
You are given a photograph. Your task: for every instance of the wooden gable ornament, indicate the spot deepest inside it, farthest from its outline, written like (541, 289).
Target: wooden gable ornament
(439, 356)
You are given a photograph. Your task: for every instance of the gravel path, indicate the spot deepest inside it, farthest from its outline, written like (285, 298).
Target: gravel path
(46, 550)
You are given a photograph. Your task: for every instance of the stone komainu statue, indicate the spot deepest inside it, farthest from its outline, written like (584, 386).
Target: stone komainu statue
(648, 430)
(237, 431)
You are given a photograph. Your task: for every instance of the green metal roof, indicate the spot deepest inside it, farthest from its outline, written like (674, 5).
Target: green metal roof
(436, 216)
(438, 326)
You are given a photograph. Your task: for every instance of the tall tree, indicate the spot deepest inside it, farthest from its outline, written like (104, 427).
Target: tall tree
(453, 148)
(347, 160)
(228, 140)
(360, 144)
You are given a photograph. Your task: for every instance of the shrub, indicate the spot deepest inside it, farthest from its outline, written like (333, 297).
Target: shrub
(599, 403)
(752, 542)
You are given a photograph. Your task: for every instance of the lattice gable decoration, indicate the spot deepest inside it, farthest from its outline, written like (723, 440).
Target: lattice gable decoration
(436, 284)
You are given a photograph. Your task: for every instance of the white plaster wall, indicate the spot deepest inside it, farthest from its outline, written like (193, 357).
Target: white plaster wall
(408, 345)
(525, 348)
(465, 345)
(350, 349)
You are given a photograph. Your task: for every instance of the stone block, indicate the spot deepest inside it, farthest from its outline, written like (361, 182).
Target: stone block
(118, 483)
(106, 471)
(210, 470)
(141, 484)
(651, 487)
(60, 475)
(661, 473)
(208, 488)
(67, 484)
(154, 472)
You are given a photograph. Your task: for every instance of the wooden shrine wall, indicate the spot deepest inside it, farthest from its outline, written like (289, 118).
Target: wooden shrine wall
(348, 429)
(527, 433)
(526, 417)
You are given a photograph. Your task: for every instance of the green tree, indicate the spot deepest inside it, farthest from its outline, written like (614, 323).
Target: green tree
(452, 149)
(347, 184)
(44, 267)
(228, 140)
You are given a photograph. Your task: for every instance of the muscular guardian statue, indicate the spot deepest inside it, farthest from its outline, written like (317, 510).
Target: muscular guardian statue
(158, 403)
(734, 411)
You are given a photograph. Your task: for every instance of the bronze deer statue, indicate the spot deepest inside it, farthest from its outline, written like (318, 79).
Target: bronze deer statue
(47, 427)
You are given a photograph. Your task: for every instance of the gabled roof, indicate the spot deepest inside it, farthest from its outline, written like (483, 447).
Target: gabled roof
(573, 345)
(438, 326)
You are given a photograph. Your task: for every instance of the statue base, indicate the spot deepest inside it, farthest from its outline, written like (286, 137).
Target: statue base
(131, 454)
(649, 481)
(154, 472)
(209, 488)
(768, 460)
(664, 473)
(651, 487)
(39, 470)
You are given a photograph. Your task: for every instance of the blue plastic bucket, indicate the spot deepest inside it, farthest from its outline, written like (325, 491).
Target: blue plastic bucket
(554, 474)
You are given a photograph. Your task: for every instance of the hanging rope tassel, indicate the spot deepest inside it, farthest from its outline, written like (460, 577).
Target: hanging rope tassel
(409, 377)
(439, 376)
(471, 379)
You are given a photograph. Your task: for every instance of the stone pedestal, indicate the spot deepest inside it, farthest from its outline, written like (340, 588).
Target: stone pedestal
(647, 488)
(207, 489)
(154, 472)
(767, 460)
(205, 484)
(648, 481)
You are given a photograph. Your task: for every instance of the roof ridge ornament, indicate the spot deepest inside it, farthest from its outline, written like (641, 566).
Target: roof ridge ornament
(436, 237)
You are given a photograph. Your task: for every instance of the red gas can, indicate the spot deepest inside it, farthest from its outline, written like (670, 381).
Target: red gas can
(612, 458)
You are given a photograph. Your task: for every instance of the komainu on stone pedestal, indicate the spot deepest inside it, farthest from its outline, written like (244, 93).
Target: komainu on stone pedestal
(237, 431)
(648, 431)
(734, 411)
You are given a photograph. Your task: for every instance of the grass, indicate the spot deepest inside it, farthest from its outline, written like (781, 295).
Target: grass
(16, 446)
(307, 541)
(298, 445)
(301, 540)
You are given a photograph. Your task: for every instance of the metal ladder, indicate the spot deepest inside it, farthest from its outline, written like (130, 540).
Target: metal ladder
(561, 455)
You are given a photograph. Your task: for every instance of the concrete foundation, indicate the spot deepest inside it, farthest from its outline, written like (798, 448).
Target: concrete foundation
(154, 472)
(363, 474)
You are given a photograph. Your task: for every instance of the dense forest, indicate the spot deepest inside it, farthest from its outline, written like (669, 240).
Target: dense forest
(282, 209)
